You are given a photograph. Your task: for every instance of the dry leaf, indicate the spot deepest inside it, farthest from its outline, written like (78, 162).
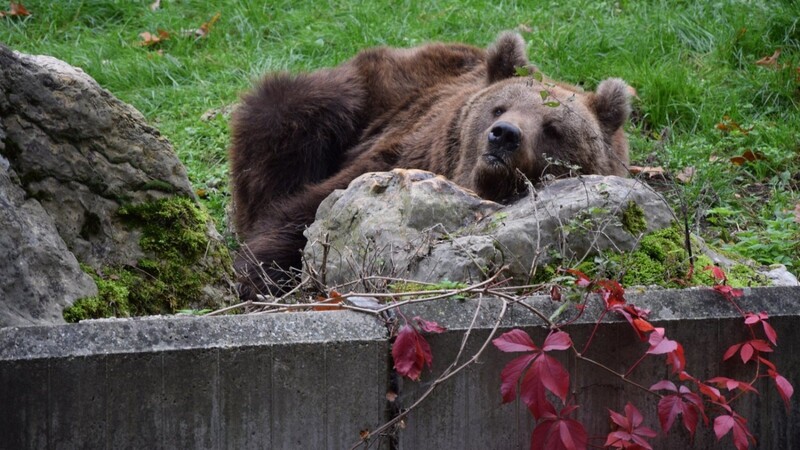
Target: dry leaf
(651, 172)
(15, 10)
(364, 433)
(685, 175)
(748, 155)
(797, 213)
(391, 396)
(770, 61)
(334, 300)
(155, 5)
(150, 39)
(206, 27)
(524, 28)
(727, 125)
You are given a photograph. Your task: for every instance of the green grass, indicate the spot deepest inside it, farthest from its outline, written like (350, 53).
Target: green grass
(692, 63)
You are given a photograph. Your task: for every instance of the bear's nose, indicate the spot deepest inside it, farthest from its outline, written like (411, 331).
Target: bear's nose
(506, 135)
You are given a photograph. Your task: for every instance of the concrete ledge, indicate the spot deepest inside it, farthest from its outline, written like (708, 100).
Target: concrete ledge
(315, 380)
(310, 380)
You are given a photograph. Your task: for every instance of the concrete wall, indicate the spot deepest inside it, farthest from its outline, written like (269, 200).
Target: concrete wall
(316, 380)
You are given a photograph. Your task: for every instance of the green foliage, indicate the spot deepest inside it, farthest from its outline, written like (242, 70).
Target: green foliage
(691, 66)
(181, 261)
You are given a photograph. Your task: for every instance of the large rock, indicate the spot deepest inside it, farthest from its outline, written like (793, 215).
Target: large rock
(416, 225)
(90, 166)
(39, 276)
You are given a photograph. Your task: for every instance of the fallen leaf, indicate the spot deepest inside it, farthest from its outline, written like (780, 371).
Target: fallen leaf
(391, 396)
(651, 172)
(727, 125)
(747, 156)
(770, 61)
(16, 9)
(525, 28)
(206, 27)
(155, 5)
(150, 39)
(797, 213)
(685, 175)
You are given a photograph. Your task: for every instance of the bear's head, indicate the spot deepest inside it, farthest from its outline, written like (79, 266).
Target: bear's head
(529, 125)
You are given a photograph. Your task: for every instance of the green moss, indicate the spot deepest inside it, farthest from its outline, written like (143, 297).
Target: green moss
(181, 261)
(111, 300)
(158, 185)
(661, 260)
(544, 274)
(633, 220)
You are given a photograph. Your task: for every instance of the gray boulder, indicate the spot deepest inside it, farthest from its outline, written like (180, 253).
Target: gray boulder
(419, 226)
(98, 179)
(39, 276)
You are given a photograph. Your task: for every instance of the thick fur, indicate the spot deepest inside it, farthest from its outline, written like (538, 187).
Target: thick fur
(435, 107)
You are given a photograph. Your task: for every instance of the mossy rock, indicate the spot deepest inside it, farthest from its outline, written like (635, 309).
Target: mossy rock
(184, 263)
(662, 260)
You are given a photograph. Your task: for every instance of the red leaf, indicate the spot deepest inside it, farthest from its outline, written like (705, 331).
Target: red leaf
(636, 317)
(747, 352)
(659, 344)
(515, 340)
(741, 435)
(676, 359)
(687, 404)
(731, 351)
(411, 352)
(510, 376)
(728, 291)
(785, 388)
(429, 327)
(664, 384)
(555, 293)
(612, 293)
(557, 341)
(751, 318)
(630, 433)
(731, 384)
(538, 371)
(717, 272)
(559, 432)
(770, 332)
(582, 279)
(761, 345)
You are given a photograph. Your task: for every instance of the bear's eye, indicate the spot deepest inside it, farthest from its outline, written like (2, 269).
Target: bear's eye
(497, 112)
(551, 131)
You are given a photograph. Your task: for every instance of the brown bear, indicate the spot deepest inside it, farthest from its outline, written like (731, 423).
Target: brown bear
(455, 110)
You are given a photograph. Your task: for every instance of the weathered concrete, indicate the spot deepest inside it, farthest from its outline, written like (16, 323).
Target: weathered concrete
(315, 380)
(467, 412)
(283, 381)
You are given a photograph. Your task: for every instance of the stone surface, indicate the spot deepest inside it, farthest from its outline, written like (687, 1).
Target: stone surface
(39, 276)
(72, 155)
(81, 152)
(413, 224)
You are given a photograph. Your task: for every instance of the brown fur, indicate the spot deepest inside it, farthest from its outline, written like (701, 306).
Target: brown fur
(441, 108)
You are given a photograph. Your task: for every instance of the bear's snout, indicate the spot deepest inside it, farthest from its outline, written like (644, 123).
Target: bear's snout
(504, 136)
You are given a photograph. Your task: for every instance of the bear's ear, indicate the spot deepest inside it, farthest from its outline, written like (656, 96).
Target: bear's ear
(612, 104)
(504, 56)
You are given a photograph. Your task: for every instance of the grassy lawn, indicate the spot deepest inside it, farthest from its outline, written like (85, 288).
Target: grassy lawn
(702, 100)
